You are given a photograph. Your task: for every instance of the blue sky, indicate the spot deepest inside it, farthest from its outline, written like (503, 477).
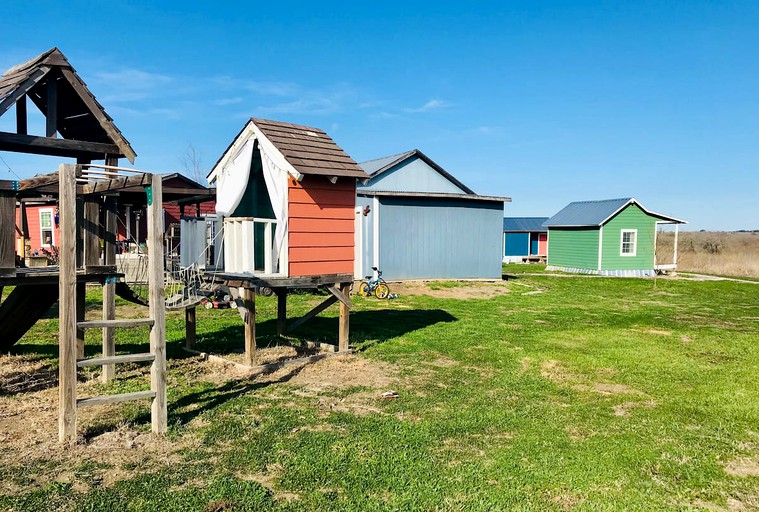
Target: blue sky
(545, 102)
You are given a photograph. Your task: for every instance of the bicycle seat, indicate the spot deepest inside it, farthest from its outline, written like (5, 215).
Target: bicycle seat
(374, 268)
(367, 277)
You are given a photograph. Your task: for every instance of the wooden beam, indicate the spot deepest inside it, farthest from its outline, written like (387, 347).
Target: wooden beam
(7, 233)
(115, 399)
(231, 279)
(190, 327)
(21, 118)
(51, 116)
(342, 340)
(109, 288)
(121, 323)
(139, 180)
(281, 311)
(91, 232)
(81, 304)
(24, 88)
(344, 298)
(308, 316)
(67, 309)
(55, 147)
(159, 413)
(111, 360)
(249, 299)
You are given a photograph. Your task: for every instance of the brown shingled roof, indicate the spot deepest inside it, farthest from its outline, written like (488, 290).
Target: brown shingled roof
(80, 116)
(310, 150)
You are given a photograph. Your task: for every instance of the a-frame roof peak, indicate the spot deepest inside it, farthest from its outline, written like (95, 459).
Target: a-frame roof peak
(78, 115)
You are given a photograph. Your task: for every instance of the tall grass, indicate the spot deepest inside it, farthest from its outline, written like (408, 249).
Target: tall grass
(722, 253)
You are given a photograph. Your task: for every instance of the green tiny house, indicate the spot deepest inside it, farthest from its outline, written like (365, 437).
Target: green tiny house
(612, 237)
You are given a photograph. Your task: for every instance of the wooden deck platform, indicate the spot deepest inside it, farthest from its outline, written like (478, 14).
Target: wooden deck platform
(49, 275)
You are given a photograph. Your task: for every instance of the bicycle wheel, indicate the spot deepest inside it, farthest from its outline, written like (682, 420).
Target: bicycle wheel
(364, 289)
(382, 291)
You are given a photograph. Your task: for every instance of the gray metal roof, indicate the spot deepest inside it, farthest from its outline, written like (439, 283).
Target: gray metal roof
(377, 166)
(597, 213)
(524, 223)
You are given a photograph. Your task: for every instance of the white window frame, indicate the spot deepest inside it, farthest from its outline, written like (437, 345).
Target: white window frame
(622, 243)
(52, 227)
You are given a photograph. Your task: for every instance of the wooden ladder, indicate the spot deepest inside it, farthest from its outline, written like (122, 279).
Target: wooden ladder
(148, 357)
(67, 311)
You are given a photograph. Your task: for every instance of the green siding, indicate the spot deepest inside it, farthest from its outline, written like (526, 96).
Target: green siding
(631, 217)
(573, 247)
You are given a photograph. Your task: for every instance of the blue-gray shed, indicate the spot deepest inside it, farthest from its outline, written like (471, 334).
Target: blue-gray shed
(415, 220)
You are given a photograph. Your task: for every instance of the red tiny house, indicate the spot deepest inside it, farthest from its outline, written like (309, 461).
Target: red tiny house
(287, 193)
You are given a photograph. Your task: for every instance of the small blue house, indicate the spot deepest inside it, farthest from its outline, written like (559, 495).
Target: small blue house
(414, 220)
(524, 239)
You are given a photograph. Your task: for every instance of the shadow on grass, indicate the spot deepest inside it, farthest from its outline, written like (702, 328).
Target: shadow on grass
(367, 328)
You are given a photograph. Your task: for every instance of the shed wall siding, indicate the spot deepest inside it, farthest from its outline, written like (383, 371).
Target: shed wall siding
(423, 238)
(367, 234)
(573, 247)
(516, 244)
(320, 229)
(413, 175)
(632, 217)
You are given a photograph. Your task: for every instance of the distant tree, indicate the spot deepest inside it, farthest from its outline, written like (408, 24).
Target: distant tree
(192, 162)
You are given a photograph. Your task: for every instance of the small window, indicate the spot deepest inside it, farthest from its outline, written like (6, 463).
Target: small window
(629, 242)
(47, 234)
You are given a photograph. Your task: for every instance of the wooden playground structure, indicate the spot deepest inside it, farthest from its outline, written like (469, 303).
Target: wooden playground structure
(294, 229)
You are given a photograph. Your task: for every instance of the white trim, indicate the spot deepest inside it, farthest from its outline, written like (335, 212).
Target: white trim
(375, 230)
(51, 211)
(622, 243)
(358, 243)
(600, 246)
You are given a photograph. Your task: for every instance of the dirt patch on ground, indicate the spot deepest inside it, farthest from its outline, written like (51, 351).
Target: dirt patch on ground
(342, 372)
(558, 373)
(625, 408)
(658, 332)
(743, 467)
(452, 289)
(24, 373)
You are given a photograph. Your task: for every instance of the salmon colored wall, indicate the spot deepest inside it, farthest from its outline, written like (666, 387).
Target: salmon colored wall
(543, 243)
(33, 222)
(321, 217)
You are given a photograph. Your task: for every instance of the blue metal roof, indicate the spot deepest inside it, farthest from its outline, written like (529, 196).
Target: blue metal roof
(587, 213)
(524, 223)
(596, 213)
(372, 166)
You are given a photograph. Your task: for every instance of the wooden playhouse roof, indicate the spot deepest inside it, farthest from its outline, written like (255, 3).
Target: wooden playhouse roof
(309, 150)
(78, 117)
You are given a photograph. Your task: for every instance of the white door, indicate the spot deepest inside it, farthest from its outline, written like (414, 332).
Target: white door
(358, 245)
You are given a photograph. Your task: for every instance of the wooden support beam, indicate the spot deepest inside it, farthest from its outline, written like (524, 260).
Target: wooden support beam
(67, 309)
(91, 232)
(344, 319)
(308, 316)
(81, 304)
(121, 323)
(51, 116)
(111, 360)
(139, 180)
(281, 311)
(249, 299)
(21, 118)
(342, 297)
(109, 288)
(190, 327)
(115, 399)
(7, 233)
(159, 412)
(68, 148)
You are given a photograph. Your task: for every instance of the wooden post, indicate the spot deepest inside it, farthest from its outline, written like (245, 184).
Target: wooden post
(51, 116)
(249, 299)
(7, 233)
(674, 256)
(109, 289)
(21, 116)
(344, 320)
(281, 311)
(81, 304)
(91, 231)
(159, 413)
(190, 327)
(67, 307)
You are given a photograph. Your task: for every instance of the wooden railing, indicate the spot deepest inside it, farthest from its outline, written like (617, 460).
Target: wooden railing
(248, 245)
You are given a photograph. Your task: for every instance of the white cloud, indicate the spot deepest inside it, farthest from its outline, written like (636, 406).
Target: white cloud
(223, 102)
(433, 104)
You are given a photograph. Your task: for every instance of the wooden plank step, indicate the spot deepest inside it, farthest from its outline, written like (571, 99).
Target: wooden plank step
(114, 399)
(127, 358)
(128, 322)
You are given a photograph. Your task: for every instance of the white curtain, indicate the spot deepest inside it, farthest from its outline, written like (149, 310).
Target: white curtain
(276, 183)
(232, 182)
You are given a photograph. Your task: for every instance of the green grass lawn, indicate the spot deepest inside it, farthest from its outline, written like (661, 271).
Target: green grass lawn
(557, 393)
